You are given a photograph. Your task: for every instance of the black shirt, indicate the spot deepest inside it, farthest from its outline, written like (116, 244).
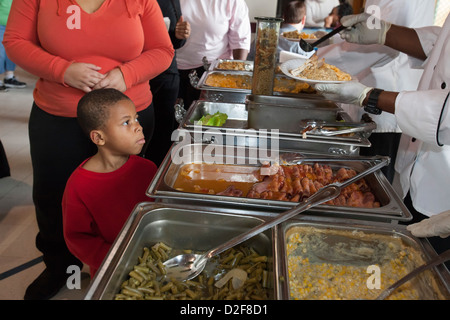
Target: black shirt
(172, 10)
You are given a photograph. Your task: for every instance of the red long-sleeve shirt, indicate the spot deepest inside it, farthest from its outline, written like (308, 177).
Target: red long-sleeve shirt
(96, 205)
(44, 37)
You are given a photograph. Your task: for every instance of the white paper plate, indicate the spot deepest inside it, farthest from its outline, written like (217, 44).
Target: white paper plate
(295, 63)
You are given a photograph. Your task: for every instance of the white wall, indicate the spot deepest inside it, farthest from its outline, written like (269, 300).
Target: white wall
(261, 8)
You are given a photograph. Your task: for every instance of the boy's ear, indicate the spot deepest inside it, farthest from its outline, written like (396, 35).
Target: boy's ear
(97, 137)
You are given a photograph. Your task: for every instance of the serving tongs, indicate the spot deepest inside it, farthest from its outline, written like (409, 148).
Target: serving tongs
(189, 265)
(325, 128)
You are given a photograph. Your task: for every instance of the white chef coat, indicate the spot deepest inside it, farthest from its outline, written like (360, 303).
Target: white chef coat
(380, 66)
(317, 11)
(217, 28)
(423, 163)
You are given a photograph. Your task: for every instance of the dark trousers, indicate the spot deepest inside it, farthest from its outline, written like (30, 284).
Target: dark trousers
(384, 144)
(4, 165)
(187, 92)
(57, 147)
(165, 93)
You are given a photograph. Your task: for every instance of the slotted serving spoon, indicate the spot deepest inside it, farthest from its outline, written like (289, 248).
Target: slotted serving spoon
(443, 257)
(308, 47)
(189, 265)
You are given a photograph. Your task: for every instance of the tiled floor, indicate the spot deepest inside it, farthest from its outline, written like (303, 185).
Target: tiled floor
(18, 226)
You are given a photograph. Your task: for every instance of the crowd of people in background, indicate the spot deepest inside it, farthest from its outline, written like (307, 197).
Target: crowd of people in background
(143, 63)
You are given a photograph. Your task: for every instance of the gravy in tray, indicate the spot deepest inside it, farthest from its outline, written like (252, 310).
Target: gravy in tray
(294, 182)
(213, 178)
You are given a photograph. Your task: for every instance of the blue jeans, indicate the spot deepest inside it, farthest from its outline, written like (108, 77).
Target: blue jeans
(5, 63)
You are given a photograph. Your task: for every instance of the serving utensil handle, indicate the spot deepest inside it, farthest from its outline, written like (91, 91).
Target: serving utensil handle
(323, 195)
(328, 35)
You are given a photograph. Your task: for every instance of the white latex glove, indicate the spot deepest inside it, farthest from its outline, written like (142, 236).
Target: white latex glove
(437, 225)
(350, 92)
(364, 29)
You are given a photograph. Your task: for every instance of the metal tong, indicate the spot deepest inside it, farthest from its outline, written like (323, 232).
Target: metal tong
(323, 128)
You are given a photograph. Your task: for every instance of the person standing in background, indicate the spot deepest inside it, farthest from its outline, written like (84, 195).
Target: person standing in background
(382, 67)
(317, 11)
(220, 29)
(334, 18)
(165, 87)
(294, 15)
(78, 46)
(7, 67)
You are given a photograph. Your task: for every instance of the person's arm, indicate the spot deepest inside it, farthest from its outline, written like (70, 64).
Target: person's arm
(405, 40)
(240, 54)
(386, 100)
(239, 33)
(21, 42)
(367, 29)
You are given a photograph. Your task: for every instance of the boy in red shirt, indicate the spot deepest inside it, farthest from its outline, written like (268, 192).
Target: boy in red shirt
(102, 192)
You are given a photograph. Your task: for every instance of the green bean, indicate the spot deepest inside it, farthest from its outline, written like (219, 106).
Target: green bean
(191, 294)
(228, 258)
(146, 290)
(136, 276)
(132, 292)
(237, 259)
(161, 267)
(153, 267)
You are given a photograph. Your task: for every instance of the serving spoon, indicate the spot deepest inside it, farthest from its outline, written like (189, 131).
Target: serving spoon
(443, 257)
(189, 265)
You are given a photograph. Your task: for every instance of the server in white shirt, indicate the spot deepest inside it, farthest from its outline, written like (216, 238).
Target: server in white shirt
(382, 67)
(220, 29)
(423, 115)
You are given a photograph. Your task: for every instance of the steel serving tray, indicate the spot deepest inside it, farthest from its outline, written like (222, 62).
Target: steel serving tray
(180, 227)
(332, 244)
(161, 188)
(200, 83)
(220, 65)
(201, 228)
(282, 120)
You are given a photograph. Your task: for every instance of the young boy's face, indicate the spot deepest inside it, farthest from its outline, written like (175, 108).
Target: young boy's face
(122, 131)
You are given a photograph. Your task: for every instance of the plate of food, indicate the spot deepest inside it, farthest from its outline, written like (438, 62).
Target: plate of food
(296, 36)
(314, 71)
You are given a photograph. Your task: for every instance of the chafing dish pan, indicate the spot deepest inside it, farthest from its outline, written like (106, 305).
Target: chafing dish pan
(248, 159)
(286, 85)
(185, 226)
(231, 65)
(339, 259)
(181, 228)
(286, 119)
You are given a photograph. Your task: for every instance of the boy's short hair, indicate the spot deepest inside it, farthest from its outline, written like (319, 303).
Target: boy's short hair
(294, 12)
(93, 108)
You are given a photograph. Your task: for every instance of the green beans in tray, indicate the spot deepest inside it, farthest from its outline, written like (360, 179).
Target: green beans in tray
(240, 273)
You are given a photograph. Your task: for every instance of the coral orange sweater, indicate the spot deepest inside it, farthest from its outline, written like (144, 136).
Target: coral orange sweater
(45, 36)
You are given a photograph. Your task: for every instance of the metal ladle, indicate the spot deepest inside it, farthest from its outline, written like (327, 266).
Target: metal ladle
(308, 47)
(189, 265)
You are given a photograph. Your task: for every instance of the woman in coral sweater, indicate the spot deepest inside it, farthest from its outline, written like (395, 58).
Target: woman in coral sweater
(75, 47)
